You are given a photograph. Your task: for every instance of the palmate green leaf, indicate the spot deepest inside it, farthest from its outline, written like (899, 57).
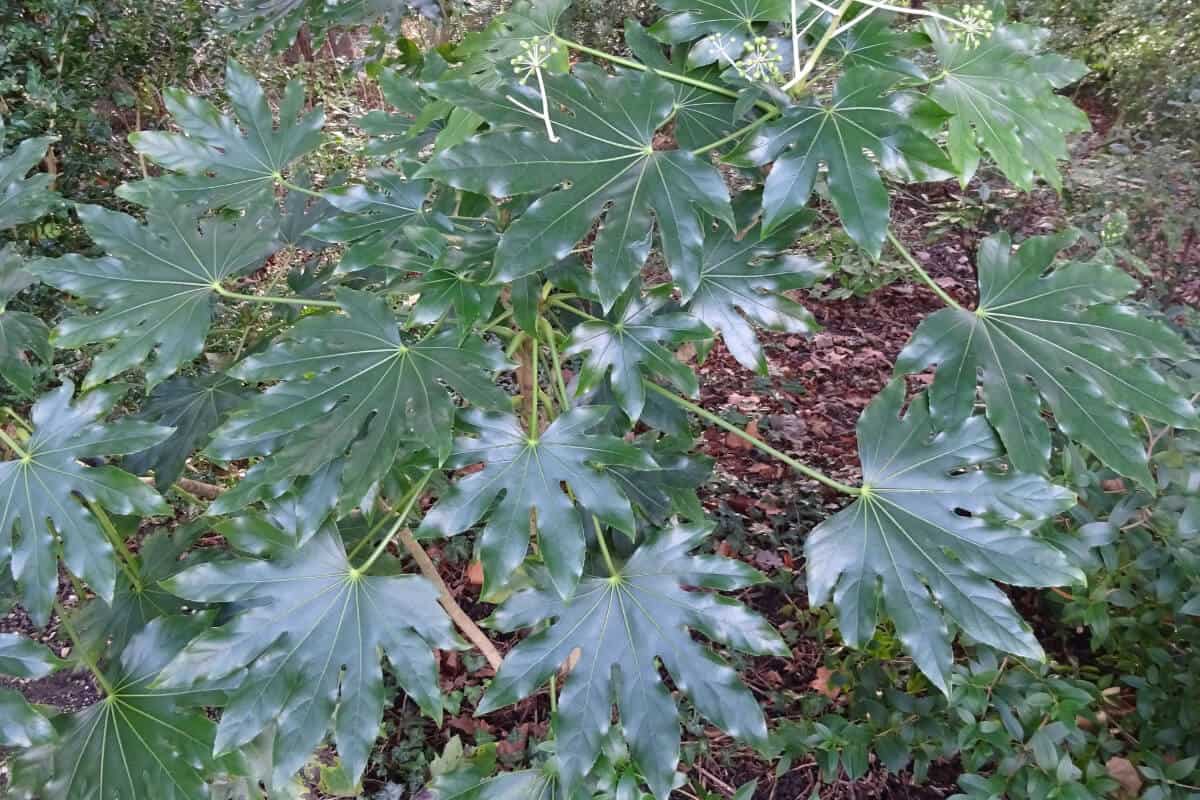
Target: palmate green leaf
(25, 199)
(742, 281)
(622, 626)
(352, 384)
(39, 509)
(21, 334)
(701, 116)
(1062, 336)
(136, 742)
(304, 652)
(876, 43)
(220, 163)
(929, 535)
(526, 474)
(688, 20)
(21, 725)
(21, 657)
(156, 286)
(483, 56)
(629, 344)
(1001, 94)
(193, 407)
(606, 154)
(109, 625)
(861, 116)
(372, 220)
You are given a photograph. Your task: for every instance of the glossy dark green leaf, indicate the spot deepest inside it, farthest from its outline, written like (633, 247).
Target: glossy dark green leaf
(484, 56)
(22, 335)
(861, 117)
(931, 532)
(109, 625)
(688, 20)
(742, 284)
(231, 160)
(526, 474)
(622, 626)
(475, 778)
(701, 116)
(606, 153)
(628, 345)
(21, 725)
(670, 489)
(155, 288)
(352, 384)
(1001, 96)
(24, 199)
(193, 407)
(877, 43)
(39, 502)
(1062, 336)
(372, 219)
(304, 651)
(21, 657)
(138, 741)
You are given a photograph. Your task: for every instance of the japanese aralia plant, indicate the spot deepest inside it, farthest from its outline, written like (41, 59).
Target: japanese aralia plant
(467, 339)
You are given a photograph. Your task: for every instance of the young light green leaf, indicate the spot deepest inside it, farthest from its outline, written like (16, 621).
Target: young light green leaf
(136, 742)
(1063, 336)
(622, 626)
(220, 163)
(605, 149)
(38, 488)
(1002, 95)
(304, 651)
(930, 533)
(742, 284)
(629, 344)
(861, 117)
(25, 199)
(352, 384)
(527, 472)
(156, 286)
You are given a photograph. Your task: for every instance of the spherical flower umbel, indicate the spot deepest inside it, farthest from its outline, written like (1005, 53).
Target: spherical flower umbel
(761, 61)
(535, 53)
(977, 24)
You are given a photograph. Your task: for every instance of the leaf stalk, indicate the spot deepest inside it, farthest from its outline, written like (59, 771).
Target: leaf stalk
(800, 467)
(925, 278)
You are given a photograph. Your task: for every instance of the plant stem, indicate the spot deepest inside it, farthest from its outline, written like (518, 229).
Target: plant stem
(12, 445)
(608, 559)
(554, 694)
(739, 133)
(912, 262)
(534, 428)
(559, 383)
(554, 301)
(19, 420)
(798, 80)
(671, 76)
(395, 531)
(803, 469)
(124, 557)
(264, 298)
(77, 647)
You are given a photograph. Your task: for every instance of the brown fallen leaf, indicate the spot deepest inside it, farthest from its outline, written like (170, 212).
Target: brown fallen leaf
(1125, 773)
(735, 442)
(821, 685)
(475, 573)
